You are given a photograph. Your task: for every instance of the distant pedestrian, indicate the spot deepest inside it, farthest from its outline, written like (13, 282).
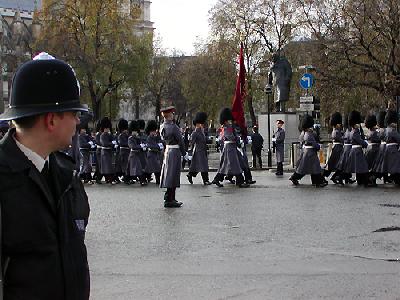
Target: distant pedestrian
(279, 147)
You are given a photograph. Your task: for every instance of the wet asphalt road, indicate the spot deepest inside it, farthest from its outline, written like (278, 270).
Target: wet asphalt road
(271, 241)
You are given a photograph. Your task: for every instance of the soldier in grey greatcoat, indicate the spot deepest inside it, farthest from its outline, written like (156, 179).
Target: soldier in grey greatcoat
(357, 162)
(107, 144)
(374, 142)
(199, 149)
(175, 149)
(279, 147)
(143, 138)
(309, 162)
(230, 164)
(85, 144)
(337, 140)
(135, 168)
(391, 157)
(124, 149)
(98, 176)
(153, 162)
(379, 169)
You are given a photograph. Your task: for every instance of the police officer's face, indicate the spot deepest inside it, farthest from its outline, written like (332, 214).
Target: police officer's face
(65, 127)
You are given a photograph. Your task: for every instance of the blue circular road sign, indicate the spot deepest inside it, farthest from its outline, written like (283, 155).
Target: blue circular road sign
(306, 81)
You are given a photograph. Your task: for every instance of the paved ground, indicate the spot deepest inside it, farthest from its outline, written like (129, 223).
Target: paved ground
(271, 241)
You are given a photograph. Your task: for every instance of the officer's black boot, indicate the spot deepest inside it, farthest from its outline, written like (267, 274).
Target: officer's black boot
(171, 201)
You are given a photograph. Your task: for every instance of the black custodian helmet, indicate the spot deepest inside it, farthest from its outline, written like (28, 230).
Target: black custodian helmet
(41, 86)
(200, 118)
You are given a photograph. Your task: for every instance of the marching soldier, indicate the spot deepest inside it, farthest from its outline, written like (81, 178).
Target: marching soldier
(124, 149)
(279, 147)
(374, 142)
(357, 162)
(337, 140)
(135, 168)
(391, 158)
(153, 151)
(256, 147)
(199, 149)
(143, 138)
(230, 164)
(175, 149)
(309, 162)
(85, 144)
(107, 144)
(379, 169)
(98, 176)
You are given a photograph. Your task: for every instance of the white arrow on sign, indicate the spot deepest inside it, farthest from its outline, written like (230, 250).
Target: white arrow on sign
(308, 79)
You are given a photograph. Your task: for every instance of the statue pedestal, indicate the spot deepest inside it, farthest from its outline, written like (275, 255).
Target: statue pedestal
(291, 130)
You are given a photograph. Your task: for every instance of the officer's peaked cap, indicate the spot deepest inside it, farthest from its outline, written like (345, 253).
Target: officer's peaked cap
(41, 86)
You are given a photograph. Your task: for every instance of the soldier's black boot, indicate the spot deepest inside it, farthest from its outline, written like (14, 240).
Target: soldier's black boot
(171, 201)
(190, 178)
(157, 176)
(204, 176)
(217, 180)
(240, 182)
(295, 178)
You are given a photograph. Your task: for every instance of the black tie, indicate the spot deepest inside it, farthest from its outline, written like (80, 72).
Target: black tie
(46, 174)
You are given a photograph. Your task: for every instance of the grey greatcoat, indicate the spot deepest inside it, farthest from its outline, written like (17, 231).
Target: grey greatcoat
(175, 149)
(199, 145)
(337, 139)
(143, 154)
(98, 152)
(280, 145)
(230, 162)
(344, 157)
(309, 162)
(153, 162)
(73, 151)
(84, 147)
(135, 167)
(124, 152)
(391, 157)
(301, 144)
(374, 142)
(357, 162)
(378, 166)
(106, 153)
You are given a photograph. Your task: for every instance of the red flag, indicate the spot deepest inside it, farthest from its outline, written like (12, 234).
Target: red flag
(240, 93)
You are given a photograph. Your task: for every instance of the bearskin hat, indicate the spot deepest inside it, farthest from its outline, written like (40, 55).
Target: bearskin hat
(391, 117)
(122, 125)
(98, 126)
(307, 122)
(105, 123)
(354, 118)
(381, 119)
(141, 124)
(151, 126)
(133, 126)
(370, 121)
(336, 119)
(200, 118)
(225, 115)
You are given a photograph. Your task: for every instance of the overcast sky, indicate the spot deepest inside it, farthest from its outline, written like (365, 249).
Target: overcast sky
(180, 22)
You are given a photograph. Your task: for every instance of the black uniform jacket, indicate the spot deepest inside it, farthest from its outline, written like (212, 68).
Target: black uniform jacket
(43, 228)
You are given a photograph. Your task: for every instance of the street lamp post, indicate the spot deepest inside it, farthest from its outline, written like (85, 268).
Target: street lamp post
(268, 92)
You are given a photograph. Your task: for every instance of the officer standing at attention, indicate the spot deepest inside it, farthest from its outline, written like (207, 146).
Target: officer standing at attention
(175, 149)
(44, 207)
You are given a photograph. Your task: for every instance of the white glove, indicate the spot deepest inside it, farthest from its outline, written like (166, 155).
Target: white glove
(115, 146)
(114, 142)
(143, 146)
(161, 145)
(274, 139)
(186, 157)
(91, 143)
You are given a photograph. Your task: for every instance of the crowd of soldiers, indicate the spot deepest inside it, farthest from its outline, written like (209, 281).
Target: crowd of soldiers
(372, 155)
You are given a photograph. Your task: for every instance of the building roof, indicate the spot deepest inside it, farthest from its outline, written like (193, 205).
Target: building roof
(27, 5)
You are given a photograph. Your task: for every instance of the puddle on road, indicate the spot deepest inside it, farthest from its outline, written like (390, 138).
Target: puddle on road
(390, 205)
(385, 229)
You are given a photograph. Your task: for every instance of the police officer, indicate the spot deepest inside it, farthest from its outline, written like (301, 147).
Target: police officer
(199, 149)
(175, 149)
(256, 147)
(44, 207)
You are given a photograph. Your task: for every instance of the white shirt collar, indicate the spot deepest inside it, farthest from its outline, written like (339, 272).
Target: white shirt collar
(35, 158)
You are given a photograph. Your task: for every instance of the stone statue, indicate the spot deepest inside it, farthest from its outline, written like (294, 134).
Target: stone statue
(282, 75)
